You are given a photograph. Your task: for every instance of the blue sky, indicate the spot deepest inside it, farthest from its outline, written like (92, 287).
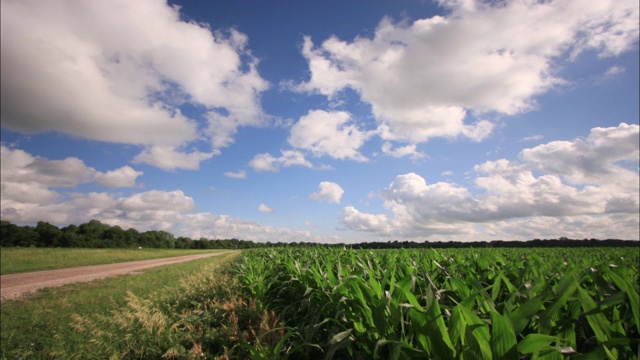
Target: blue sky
(324, 121)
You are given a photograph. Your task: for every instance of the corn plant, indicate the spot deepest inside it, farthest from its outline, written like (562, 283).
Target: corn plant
(453, 304)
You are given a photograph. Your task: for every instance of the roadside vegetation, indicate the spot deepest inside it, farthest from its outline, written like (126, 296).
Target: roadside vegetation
(18, 260)
(189, 310)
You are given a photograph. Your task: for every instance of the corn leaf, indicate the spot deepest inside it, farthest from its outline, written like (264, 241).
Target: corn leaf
(473, 331)
(503, 339)
(522, 315)
(534, 343)
(632, 295)
(598, 322)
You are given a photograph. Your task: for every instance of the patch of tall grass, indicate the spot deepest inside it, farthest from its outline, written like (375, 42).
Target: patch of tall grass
(181, 311)
(18, 260)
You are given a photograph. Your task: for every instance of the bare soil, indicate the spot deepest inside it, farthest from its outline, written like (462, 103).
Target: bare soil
(15, 285)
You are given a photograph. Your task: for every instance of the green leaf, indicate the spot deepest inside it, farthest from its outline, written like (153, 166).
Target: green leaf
(564, 290)
(633, 296)
(282, 341)
(473, 331)
(534, 343)
(598, 322)
(598, 354)
(460, 287)
(336, 342)
(439, 343)
(405, 286)
(521, 316)
(503, 339)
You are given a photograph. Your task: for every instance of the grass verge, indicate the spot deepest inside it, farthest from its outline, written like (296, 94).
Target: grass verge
(18, 260)
(181, 311)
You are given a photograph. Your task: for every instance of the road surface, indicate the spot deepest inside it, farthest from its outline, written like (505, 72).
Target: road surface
(15, 285)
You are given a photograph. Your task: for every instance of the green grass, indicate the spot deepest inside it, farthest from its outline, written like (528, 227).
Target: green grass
(81, 320)
(18, 260)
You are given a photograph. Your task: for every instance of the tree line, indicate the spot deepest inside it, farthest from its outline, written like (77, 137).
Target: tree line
(95, 234)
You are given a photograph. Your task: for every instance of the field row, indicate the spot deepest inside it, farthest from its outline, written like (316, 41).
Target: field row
(457, 304)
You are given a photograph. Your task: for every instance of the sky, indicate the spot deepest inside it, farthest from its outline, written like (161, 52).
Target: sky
(323, 121)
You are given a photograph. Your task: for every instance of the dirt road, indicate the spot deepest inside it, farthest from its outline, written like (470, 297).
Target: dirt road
(15, 285)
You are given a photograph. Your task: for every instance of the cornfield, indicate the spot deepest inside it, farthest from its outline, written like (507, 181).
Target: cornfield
(578, 303)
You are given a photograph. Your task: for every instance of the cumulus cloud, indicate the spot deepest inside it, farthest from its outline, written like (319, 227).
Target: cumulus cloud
(613, 71)
(22, 169)
(140, 62)
(29, 186)
(575, 227)
(154, 200)
(213, 226)
(402, 151)
(122, 177)
(422, 79)
(329, 191)
(168, 158)
(267, 162)
(533, 138)
(329, 133)
(265, 209)
(358, 221)
(584, 181)
(236, 175)
(594, 159)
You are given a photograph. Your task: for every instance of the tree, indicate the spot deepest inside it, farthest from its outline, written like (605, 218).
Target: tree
(133, 237)
(93, 232)
(48, 235)
(183, 242)
(24, 236)
(115, 237)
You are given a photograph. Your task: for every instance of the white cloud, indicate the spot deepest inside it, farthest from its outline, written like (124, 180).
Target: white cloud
(26, 193)
(265, 209)
(574, 227)
(139, 60)
(533, 138)
(155, 200)
(22, 170)
(293, 158)
(267, 162)
(593, 160)
(168, 158)
(213, 226)
(329, 134)
(236, 175)
(422, 79)
(401, 151)
(355, 220)
(122, 177)
(263, 162)
(583, 181)
(613, 71)
(329, 191)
